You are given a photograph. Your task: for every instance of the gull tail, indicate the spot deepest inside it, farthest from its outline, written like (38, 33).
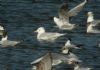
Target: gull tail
(62, 34)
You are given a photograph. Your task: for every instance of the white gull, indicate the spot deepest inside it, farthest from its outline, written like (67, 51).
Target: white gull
(47, 36)
(5, 42)
(63, 21)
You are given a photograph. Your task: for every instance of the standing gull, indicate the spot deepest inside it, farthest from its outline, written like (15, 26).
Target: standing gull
(47, 36)
(4, 42)
(63, 21)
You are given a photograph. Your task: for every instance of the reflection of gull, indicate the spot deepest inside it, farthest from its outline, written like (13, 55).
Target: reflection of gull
(58, 58)
(92, 24)
(78, 67)
(47, 36)
(4, 42)
(63, 21)
(45, 63)
(68, 46)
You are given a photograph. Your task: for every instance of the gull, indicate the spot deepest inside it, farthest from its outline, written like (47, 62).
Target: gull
(91, 28)
(63, 21)
(1, 30)
(47, 36)
(5, 42)
(78, 67)
(45, 63)
(92, 24)
(68, 46)
(91, 18)
(58, 58)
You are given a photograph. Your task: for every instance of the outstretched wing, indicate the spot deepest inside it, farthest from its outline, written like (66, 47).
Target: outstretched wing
(63, 12)
(77, 9)
(45, 63)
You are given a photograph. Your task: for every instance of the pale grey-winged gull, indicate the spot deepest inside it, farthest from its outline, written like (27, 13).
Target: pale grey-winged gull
(92, 24)
(47, 36)
(1, 30)
(92, 27)
(4, 42)
(63, 21)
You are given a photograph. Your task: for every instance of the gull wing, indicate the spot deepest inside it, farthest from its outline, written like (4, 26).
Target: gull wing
(45, 63)
(63, 12)
(96, 22)
(36, 61)
(77, 9)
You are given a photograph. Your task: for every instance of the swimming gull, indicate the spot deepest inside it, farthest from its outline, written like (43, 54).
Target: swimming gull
(47, 36)
(4, 42)
(69, 45)
(92, 24)
(92, 27)
(1, 30)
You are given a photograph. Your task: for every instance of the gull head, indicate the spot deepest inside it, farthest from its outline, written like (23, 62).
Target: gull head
(68, 42)
(40, 30)
(1, 27)
(90, 14)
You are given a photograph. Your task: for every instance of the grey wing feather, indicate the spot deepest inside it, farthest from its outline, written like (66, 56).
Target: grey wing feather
(63, 12)
(77, 9)
(59, 56)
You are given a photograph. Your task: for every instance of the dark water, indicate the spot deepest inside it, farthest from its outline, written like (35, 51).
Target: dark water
(22, 17)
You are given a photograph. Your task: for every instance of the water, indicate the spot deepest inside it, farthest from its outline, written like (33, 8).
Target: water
(22, 17)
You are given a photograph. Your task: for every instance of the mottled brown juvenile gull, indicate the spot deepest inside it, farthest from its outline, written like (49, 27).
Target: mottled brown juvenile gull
(45, 63)
(58, 58)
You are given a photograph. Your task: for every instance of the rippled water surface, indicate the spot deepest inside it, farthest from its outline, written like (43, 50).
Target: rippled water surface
(22, 17)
